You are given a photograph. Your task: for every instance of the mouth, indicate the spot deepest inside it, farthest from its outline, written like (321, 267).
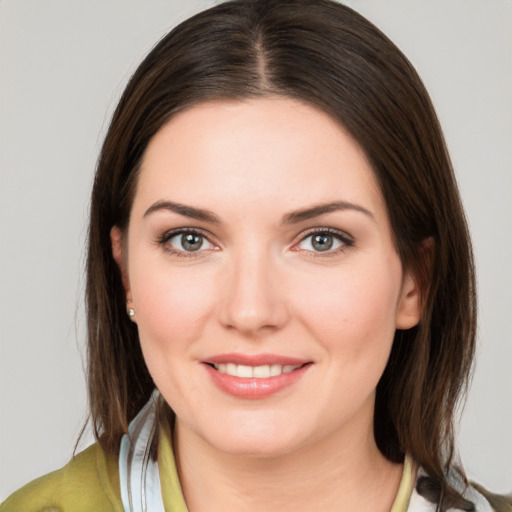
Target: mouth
(254, 372)
(250, 378)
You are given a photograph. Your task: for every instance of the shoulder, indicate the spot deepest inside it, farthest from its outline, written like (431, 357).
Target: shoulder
(498, 502)
(88, 482)
(473, 497)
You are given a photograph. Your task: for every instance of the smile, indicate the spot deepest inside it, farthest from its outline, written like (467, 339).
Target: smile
(255, 376)
(254, 372)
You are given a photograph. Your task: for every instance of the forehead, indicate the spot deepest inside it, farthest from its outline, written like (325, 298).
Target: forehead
(267, 150)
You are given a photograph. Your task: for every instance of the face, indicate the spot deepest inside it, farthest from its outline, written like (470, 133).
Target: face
(262, 271)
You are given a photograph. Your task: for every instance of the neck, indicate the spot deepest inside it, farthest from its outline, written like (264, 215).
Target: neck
(335, 473)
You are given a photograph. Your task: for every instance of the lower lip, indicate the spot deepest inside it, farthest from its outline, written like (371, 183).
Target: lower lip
(253, 388)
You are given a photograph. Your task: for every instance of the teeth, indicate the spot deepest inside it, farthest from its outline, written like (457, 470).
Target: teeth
(244, 371)
(261, 372)
(276, 369)
(257, 372)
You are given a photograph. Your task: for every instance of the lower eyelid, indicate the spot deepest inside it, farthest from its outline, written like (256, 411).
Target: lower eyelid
(345, 240)
(165, 239)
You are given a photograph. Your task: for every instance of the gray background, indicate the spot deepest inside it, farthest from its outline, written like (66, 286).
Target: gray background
(63, 64)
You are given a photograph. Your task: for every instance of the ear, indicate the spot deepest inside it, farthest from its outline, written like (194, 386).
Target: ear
(414, 287)
(409, 306)
(117, 241)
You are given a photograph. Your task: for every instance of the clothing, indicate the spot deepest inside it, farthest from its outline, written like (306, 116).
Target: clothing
(91, 482)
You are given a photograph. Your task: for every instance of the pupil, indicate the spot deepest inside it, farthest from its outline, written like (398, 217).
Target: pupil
(191, 242)
(322, 242)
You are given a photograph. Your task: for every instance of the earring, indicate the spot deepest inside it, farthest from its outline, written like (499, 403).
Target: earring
(131, 314)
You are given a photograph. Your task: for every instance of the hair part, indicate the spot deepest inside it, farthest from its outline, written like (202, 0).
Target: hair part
(328, 56)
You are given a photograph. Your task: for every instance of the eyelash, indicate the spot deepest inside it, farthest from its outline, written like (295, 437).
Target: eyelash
(164, 240)
(346, 242)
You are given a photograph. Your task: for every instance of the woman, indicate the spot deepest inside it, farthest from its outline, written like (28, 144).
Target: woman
(277, 245)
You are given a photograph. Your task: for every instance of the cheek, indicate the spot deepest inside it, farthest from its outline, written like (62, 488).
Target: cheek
(171, 311)
(171, 304)
(353, 311)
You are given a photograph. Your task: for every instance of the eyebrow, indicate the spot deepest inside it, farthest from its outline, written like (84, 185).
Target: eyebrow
(290, 218)
(321, 209)
(181, 209)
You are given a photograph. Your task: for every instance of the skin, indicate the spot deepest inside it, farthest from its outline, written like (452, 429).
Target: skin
(257, 285)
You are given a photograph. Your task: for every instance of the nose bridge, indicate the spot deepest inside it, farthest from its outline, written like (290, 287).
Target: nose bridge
(251, 299)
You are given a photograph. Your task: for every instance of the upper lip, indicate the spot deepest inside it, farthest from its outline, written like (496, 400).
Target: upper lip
(255, 359)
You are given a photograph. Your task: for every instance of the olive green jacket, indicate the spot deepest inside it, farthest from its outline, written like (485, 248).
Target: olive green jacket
(90, 483)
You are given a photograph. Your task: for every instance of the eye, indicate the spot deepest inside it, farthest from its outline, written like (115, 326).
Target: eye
(326, 241)
(186, 242)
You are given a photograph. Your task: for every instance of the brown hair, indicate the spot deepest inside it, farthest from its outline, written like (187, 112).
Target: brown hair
(326, 55)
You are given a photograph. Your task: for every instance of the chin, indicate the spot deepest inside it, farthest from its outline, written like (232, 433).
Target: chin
(253, 438)
(256, 447)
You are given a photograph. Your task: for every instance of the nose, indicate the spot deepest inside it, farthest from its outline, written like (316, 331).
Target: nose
(253, 295)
